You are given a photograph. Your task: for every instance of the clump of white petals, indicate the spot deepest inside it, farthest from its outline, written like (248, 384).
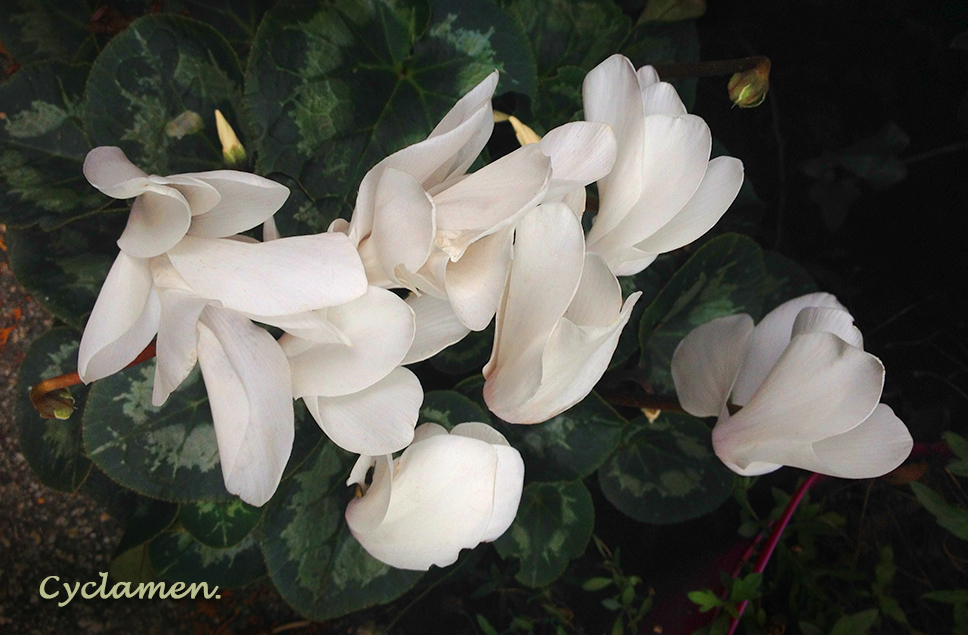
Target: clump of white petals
(446, 492)
(185, 277)
(664, 191)
(808, 393)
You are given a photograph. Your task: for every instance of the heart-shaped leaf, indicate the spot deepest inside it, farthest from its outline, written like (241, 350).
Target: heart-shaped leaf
(665, 471)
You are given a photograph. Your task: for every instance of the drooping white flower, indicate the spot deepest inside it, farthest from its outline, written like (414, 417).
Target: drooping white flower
(559, 322)
(199, 296)
(663, 192)
(349, 375)
(807, 390)
(446, 492)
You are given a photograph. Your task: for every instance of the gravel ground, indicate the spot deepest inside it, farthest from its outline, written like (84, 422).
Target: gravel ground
(44, 532)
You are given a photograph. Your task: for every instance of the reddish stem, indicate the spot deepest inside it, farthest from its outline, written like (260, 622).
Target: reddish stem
(775, 539)
(38, 392)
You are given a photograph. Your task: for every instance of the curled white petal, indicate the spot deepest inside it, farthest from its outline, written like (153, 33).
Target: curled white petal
(376, 420)
(247, 378)
(446, 492)
(124, 320)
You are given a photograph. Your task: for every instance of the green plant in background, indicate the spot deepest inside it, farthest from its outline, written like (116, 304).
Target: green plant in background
(315, 95)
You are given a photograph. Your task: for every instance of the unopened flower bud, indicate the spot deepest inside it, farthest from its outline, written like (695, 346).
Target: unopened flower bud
(56, 404)
(524, 134)
(748, 89)
(232, 151)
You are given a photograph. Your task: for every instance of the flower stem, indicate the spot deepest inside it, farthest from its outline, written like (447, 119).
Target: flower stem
(647, 401)
(39, 394)
(710, 69)
(774, 539)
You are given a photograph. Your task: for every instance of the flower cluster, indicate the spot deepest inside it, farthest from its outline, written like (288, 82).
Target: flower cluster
(504, 242)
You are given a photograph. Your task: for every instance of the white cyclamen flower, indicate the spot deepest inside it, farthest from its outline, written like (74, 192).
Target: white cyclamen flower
(663, 192)
(446, 492)
(559, 321)
(807, 390)
(199, 296)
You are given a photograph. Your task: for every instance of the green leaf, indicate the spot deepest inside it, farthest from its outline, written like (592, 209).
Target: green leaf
(449, 408)
(856, 624)
(558, 31)
(665, 472)
(672, 10)
(596, 584)
(219, 525)
(466, 356)
(41, 31)
(705, 599)
(133, 566)
(42, 147)
(485, 625)
(746, 587)
(650, 282)
(723, 277)
(335, 89)
(236, 21)
(313, 560)
(154, 89)
(169, 452)
(952, 518)
(663, 43)
(553, 526)
(785, 280)
(149, 518)
(949, 596)
(64, 269)
(958, 444)
(177, 556)
(478, 37)
(52, 447)
(570, 446)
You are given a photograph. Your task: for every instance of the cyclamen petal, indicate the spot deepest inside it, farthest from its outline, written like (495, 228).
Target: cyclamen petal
(246, 200)
(380, 327)
(446, 154)
(159, 218)
(281, 277)
(770, 338)
(212, 204)
(124, 320)
(436, 327)
(247, 378)
(376, 420)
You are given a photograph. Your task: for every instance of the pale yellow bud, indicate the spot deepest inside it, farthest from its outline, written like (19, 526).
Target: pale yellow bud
(524, 134)
(232, 151)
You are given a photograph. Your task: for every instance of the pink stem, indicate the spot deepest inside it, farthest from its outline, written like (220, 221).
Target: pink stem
(775, 539)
